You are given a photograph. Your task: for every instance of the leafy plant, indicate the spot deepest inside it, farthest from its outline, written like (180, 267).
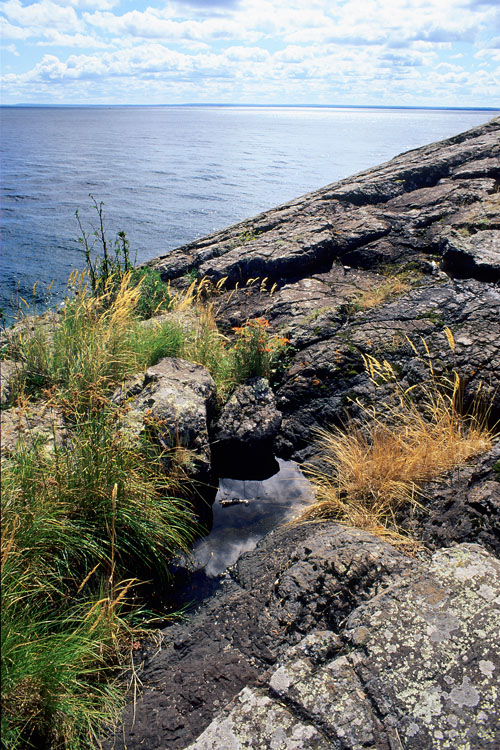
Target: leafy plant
(255, 352)
(108, 262)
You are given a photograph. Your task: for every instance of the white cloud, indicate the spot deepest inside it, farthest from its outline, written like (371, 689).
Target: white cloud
(151, 24)
(249, 54)
(10, 48)
(45, 14)
(488, 54)
(55, 38)
(87, 4)
(9, 31)
(331, 50)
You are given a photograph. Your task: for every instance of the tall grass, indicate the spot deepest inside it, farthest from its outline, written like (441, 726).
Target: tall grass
(98, 340)
(95, 342)
(375, 466)
(85, 519)
(81, 521)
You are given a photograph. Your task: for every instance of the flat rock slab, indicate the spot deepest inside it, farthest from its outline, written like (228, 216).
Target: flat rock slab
(405, 200)
(419, 670)
(264, 723)
(296, 580)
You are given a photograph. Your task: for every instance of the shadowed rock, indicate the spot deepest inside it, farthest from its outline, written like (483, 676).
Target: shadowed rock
(244, 434)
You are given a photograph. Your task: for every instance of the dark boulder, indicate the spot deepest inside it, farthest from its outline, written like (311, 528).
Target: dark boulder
(242, 446)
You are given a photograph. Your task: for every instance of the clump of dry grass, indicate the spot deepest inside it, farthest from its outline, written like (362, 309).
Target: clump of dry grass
(393, 286)
(378, 464)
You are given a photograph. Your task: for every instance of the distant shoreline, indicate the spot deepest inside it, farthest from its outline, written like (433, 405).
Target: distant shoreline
(249, 106)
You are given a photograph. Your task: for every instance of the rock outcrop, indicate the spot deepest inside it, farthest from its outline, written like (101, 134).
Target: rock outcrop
(415, 667)
(172, 403)
(405, 249)
(327, 637)
(243, 437)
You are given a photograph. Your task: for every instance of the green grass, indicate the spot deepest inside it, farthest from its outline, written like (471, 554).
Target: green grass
(86, 519)
(80, 523)
(99, 340)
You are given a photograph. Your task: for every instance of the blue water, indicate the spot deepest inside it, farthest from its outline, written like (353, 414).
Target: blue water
(168, 175)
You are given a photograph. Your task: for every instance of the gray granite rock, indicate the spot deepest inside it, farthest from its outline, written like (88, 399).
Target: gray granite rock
(259, 722)
(173, 404)
(419, 670)
(430, 652)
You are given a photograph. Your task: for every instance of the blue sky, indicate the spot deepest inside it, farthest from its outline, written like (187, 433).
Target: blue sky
(386, 52)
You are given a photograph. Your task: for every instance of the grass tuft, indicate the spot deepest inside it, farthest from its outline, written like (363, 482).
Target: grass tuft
(377, 465)
(393, 286)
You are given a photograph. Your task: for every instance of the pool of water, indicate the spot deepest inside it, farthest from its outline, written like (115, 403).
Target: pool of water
(243, 512)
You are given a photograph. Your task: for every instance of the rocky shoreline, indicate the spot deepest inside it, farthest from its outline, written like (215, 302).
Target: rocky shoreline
(326, 636)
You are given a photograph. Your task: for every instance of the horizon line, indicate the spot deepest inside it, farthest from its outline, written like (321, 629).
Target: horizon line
(256, 105)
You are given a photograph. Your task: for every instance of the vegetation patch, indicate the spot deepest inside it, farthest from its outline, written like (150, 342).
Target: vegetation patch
(87, 513)
(81, 522)
(375, 466)
(393, 286)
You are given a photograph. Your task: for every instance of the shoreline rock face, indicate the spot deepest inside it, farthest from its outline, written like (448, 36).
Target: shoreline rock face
(324, 636)
(416, 667)
(378, 216)
(429, 219)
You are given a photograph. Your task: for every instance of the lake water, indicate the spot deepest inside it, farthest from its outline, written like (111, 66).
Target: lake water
(168, 175)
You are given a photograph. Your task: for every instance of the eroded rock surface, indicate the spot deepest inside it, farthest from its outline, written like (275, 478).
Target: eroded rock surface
(173, 403)
(406, 249)
(32, 424)
(463, 506)
(418, 668)
(388, 213)
(8, 372)
(297, 579)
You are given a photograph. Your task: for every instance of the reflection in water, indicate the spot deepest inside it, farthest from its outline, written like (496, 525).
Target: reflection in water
(238, 526)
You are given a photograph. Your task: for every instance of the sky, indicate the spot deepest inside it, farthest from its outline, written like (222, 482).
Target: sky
(323, 52)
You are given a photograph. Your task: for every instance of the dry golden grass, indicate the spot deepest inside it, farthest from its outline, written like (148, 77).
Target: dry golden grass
(393, 286)
(374, 467)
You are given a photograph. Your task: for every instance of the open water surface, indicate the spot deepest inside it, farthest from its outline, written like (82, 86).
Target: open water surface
(169, 175)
